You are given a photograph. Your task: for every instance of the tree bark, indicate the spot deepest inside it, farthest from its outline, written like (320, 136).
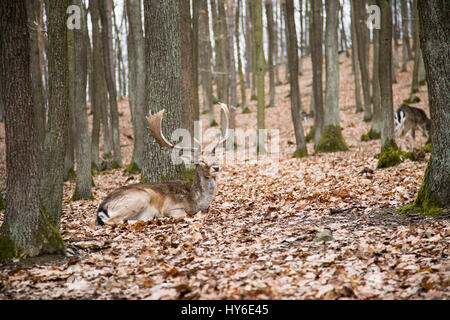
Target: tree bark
(355, 64)
(270, 57)
(361, 43)
(242, 83)
(434, 194)
(51, 189)
(82, 139)
(331, 139)
(136, 61)
(231, 12)
(317, 61)
(296, 107)
(415, 74)
(105, 10)
(259, 54)
(26, 229)
(163, 84)
(375, 129)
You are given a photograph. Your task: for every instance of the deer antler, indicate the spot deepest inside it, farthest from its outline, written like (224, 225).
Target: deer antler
(155, 128)
(226, 111)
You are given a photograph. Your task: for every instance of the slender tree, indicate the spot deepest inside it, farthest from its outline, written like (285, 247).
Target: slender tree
(259, 54)
(163, 84)
(417, 54)
(26, 229)
(242, 83)
(296, 107)
(105, 10)
(231, 12)
(82, 140)
(317, 62)
(270, 57)
(389, 156)
(331, 139)
(355, 64)
(434, 194)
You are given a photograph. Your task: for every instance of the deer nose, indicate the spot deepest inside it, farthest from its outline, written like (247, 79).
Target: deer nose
(215, 168)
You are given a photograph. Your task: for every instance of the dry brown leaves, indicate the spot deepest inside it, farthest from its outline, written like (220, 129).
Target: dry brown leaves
(263, 236)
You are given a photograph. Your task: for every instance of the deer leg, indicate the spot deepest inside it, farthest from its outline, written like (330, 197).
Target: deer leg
(175, 213)
(413, 134)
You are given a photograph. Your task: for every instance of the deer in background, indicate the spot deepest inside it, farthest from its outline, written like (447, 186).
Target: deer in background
(144, 201)
(410, 119)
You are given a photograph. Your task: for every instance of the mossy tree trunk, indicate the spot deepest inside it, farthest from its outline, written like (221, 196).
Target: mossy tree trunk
(331, 139)
(26, 230)
(82, 138)
(389, 151)
(58, 115)
(317, 62)
(296, 107)
(163, 85)
(434, 193)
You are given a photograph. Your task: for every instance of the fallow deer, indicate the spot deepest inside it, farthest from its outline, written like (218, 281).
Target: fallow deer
(144, 201)
(410, 119)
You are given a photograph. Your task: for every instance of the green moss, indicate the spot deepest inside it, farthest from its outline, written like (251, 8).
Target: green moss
(8, 250)
(132, 168)
(427, 203)
(215, 101)
(94, 169)
(115, 165)
(76, 196)
(371, 135)
(331, 140)
(213, 123)
(2, 201)
(390, 155)
(205, 111)
(107, 155)
(426, 148)
(367, 119)
(189, 174)
(300, 153)
(253, 97)
(310, 136)
(246, 110)
(49, 236)
(71, 175)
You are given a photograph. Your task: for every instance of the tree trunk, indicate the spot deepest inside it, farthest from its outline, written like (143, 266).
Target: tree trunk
(242, 84)
(361, 40)
(163, 84)
(35, 28)
(296, 106)
(195, 65)
(415, 74)
(259, 54)
(204, 60)
(375, 129)
(51, 189)
(100, 96)
(82, 139)
(331, 139)
(355, 64)
(105, 10)
(26, 230)
(405, 37)
(434, 194)
(231, 61)
(317, 61)
(136, 61)
(270, 58)
(388, 156)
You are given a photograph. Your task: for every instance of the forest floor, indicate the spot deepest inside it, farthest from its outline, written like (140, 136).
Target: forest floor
(320, 227)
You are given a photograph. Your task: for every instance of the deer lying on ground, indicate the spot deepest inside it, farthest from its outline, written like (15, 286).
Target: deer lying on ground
(144, 201)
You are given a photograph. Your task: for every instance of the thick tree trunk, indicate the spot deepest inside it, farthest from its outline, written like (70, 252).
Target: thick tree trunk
(195, 64)
(270, 58)
(26, 229)
(105, 10)
(434, 194)
(331, 139)
(259, 54)
(136, 61)
(296, 107)
(317, 61)
(82, 139)
(163, 84)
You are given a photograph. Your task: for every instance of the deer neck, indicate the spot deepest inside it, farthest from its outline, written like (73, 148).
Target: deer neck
(202, 192)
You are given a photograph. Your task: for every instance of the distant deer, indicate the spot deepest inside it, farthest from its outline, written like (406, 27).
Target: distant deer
(410, 119)
(144, 201)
